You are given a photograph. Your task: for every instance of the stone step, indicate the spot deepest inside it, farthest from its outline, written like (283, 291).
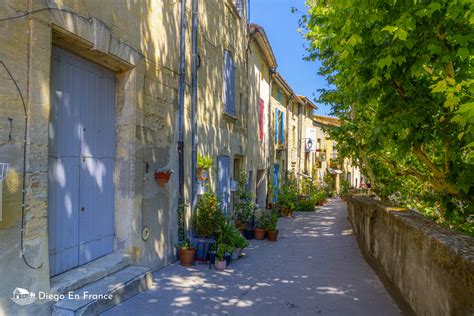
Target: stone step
(105, 293)
(88, 273)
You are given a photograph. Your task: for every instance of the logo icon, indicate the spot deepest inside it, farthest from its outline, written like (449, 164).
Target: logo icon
(23, 296)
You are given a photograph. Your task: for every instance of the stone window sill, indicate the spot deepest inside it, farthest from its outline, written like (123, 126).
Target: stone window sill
(230, 117)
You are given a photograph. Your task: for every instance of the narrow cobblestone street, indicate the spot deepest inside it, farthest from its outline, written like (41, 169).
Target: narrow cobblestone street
(314, 269)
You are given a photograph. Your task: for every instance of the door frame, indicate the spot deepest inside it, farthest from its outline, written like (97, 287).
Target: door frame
(129, 72)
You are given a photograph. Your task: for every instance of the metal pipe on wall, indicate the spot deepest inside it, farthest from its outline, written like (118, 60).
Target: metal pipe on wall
(182, 81)
(194, 103)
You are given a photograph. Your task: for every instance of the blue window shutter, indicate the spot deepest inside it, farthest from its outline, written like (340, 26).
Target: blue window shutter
(276, 125)
(226, 88)
(232, 86)
(229, 83)
(282, 127)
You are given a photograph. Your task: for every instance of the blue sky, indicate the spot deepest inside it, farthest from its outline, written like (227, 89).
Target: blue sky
(281, 26)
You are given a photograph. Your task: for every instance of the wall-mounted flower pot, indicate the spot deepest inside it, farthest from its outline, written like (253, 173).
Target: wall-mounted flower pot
(162, 177)
(202, 174)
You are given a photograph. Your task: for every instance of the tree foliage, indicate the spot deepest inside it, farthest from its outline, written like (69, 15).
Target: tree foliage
(402, 82)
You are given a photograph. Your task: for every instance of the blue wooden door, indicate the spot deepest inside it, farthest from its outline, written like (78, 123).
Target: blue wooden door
(81, 162)
(276, 184)
(223, 182)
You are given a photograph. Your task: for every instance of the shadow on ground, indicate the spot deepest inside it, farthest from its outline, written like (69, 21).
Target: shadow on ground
(314, 269)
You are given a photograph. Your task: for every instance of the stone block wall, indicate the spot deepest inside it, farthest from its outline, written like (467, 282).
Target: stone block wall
(430, 266)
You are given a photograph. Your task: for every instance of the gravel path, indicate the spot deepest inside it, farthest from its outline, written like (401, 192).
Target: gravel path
(314, 269)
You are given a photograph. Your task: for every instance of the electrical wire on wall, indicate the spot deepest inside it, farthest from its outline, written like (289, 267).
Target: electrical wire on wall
(23, 189)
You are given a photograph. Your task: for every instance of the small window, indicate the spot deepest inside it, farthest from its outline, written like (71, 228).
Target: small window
(239, 5)
(229, 83)
(279, 95)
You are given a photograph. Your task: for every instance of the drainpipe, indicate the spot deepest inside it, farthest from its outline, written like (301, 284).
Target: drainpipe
(194, 103)
(270, 160)
(182, 78)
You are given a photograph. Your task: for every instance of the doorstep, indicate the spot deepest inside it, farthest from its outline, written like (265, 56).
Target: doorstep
(88, 273)
(105, 293)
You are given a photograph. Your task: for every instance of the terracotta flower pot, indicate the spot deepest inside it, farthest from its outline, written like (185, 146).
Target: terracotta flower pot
(273, 235)
(220, 264)
(162, 178)
(201, 174)
(259, 233)
(186, 256)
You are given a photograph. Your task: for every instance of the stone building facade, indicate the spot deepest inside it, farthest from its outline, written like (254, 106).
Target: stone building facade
(262, 63)
(97, 87)
(68, 59)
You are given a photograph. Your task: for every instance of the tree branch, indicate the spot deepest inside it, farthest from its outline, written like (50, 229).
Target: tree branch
(399, 88)
(438, 180)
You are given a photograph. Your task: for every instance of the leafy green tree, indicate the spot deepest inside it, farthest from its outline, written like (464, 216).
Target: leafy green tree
(402, 82)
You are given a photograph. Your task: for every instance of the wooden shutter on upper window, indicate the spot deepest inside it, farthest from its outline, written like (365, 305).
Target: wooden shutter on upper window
(229, 83)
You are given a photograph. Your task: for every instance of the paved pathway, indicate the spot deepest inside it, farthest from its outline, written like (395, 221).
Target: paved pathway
(314, 269)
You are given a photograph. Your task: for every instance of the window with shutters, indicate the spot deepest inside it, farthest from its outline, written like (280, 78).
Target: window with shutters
(229, 83)
(279, 126)
(282, 128)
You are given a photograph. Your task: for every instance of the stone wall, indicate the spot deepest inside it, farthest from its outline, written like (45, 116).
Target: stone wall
(430, 266)
(139, 43)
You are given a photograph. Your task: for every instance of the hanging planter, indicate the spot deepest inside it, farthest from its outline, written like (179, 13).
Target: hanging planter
(204, 163)
(202, 174)
(163, 175)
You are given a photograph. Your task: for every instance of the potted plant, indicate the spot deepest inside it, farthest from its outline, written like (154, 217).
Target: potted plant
(261, 228)
(204, 163)
(240, 243)
(162, 175)
(272, 228)
(220, 263)
(186, 253)
(288, 196)
(228, 254)
(245, 206)
(207, 221)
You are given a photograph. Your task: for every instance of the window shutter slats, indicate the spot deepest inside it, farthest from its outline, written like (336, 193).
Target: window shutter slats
(277, 121)
(229, 83)
(282, 128)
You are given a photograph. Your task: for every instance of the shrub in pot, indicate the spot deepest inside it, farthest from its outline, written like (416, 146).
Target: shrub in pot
(220, 263)
(245, 206)
(186, 253)
(272, 228)
(239, 243)
(288, 196)
(207, 221)
(260, 230)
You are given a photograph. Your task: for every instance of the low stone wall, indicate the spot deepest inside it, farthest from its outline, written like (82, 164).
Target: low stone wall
(430, 266)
